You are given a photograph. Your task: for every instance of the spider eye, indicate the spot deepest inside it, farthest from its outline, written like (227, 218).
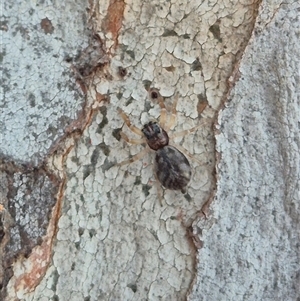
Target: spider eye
(151, 129)
(156, 128)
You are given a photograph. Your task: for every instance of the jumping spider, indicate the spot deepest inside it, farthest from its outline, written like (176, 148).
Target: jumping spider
(171, 167)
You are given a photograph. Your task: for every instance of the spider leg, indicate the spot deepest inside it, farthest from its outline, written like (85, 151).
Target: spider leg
(132, 141)
(172, 120)
(126, 119)
(188, 131)
(155, 95)
(133, 158)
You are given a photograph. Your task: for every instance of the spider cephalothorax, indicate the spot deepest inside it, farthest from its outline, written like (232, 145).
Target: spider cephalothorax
(156, 136)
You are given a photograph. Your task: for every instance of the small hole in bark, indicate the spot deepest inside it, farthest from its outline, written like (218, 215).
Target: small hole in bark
(154, 94)
(122, 71)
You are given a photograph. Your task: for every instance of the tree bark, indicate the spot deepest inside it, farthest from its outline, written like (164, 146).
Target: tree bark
(75, 225)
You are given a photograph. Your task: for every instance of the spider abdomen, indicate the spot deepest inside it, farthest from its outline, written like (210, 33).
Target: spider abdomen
(172, 168)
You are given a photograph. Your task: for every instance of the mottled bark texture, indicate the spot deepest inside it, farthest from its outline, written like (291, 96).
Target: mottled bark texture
(76, 226)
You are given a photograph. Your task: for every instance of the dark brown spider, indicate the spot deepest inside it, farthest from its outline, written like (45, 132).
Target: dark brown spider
(171, 167)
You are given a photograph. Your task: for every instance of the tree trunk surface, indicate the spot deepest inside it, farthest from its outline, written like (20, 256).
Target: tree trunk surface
(82, 214)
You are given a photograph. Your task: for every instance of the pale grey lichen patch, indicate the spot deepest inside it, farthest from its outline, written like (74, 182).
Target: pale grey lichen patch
(35, 45)
(252, 252)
